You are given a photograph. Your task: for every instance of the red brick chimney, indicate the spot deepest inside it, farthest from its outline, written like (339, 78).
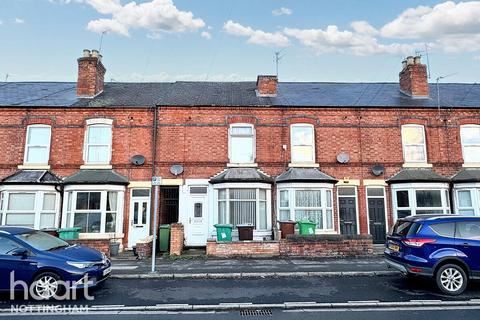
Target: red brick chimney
(91, 74)
(267, 86)
(413, 78)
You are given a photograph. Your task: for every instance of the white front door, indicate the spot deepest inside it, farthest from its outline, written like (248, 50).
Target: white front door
(139, 226)
(196, 229)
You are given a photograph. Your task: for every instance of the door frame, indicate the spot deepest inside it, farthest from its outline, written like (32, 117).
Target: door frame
(130, 212)
(384, 205)
(356, 206)
(203, 197)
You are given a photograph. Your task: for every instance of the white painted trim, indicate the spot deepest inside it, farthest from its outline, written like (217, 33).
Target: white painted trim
(254, 142)
(417, 165)
(25, 163)
(412, 125)
(312, 160)
(242, 165)
(242, 185)
(356, 206)
(303, 165)
(286, 185)
(471, 165)
(106, 121)
(33, 167)
(100, 236)
(348, 182)
(96, 166)
(140, 184)
(90, 187)
(172, 182)
(384, 197)
(374, 182)
(468, 164)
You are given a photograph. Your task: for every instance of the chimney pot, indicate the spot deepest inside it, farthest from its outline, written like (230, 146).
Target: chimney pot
(86, 53)
(95, 53)
(404, 64)
(267, 86)
(410, 60)
(417, 60)
(413, 78)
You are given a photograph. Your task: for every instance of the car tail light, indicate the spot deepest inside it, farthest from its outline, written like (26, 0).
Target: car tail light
(417, 242)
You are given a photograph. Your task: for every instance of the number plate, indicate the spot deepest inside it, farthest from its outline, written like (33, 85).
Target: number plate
(107, 271)
(394, 247)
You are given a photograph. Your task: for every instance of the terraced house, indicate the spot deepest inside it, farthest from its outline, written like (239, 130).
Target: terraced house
(352, 157)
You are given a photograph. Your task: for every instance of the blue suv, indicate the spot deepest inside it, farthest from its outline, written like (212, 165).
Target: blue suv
(443, 247)
(47, 265)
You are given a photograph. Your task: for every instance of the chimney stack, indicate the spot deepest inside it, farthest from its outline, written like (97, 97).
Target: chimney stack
(413, 78)
(91, 74)
(267, 86)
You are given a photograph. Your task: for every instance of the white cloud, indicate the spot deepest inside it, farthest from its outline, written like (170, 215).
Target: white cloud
(448, 18)
(1, 22)
(157, 16)
(476, 58)
(65, 1)
(256, 36)
(334, 40)
(282, 11)
(19, 21)
(207, 35)
(363, 27)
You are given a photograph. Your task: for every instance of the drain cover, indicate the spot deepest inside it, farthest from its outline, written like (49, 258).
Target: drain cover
(255, 312)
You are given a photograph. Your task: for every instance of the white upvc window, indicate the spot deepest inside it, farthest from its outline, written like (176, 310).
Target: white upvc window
(22, 206)
(417, 198)
(37, 144)
(241, 143)
(95, 210)
(314, 203)
(302, 140)
(467, 199)
(98, 141)
(244, 205)
(470, 137)
(413, 143)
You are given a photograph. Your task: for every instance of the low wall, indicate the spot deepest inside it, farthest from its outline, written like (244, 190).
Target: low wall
(176, 239)
(326, 246)
(242, 248)
(317, 246)
(102, 245)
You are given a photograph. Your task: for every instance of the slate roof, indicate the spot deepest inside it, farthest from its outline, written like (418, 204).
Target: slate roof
(304, 175)
(96, 177)
(417, 175)
(290, 94)
(32, 177)
(467, 175)
(241, 175)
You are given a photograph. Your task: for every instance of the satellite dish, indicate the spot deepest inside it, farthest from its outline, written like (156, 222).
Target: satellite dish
(138, 160)
(377, 170)
(176, 169)
(343, 157)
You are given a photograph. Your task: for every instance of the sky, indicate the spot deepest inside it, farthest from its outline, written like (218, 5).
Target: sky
(236, 40)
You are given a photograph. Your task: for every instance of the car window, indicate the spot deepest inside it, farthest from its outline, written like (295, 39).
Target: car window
(468, 230)
(403, 228)
(42, 241)
(7, 246)
(444, 229)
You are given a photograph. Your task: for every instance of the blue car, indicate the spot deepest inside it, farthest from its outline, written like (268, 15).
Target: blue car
(443, 247)
(46, 264)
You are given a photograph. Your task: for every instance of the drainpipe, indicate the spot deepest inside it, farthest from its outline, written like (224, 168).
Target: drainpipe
(59, 189)
(154, 138)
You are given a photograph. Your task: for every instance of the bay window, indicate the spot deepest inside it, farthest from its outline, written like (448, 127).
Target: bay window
(238, 205)
(98, 141)
(29, 208)
(414, 198)
(241, 143)
(94, 211)
(297, 202)
(413, 143)
(470, 137)
(302, 142)
(467, 199)
(37, 144)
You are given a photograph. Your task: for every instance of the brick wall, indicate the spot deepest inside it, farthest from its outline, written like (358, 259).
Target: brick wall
(326, 246)
(176, 239)
(145, 248)
(242, 248)
(102, 245)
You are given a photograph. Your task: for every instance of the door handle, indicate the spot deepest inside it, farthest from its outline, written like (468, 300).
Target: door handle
(189, 220)
(466, 244)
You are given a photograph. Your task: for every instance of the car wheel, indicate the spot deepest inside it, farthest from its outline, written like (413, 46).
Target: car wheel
(451, 279)
(47, 285)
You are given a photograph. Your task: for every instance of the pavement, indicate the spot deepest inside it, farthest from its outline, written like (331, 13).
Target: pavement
(167, 268)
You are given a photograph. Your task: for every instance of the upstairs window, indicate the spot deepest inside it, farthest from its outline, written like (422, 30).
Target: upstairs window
(37, 146)
(470, 137)
(98, 141)
(242, 143)
(413, 141)
(303, 143)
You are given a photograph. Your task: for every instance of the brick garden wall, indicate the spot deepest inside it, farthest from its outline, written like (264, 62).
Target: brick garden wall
(102, 245)
(242, 249)
(176, 239)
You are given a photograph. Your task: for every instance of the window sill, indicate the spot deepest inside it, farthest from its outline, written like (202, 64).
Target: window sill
(417, 165)
(100, 236)
(96, 166)
(303, 165)
(33, 167)
(471, 165)
(242, 165)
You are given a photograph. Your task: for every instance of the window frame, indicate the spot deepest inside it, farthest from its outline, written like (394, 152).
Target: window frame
(463, 144)
(474, 189)
(28, 146)
(99, 123)
(404, 145)
(231, 137)
(292, 145)
(292, 189)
